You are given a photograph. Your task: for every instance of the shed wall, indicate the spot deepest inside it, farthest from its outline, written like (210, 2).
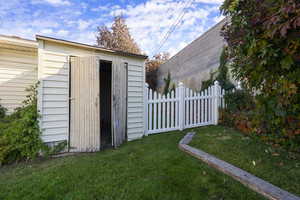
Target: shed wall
(54, 89)
(18, 71)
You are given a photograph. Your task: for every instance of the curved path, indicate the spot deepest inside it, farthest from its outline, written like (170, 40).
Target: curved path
(258, 185)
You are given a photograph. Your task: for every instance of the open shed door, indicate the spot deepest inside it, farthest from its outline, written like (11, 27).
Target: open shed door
(119, 102)
(85, 113)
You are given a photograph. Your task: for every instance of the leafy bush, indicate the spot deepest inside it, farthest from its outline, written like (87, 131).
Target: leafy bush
(238, 120)
(221, 75)
(169, 85)
(239, 100)
(264, 51)
(239, 110)
(2, 112)
(245, 114)
(55, 149)
(20, 134)
(152, 67)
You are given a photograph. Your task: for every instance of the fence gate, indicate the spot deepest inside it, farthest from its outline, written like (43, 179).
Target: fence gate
(182, 108)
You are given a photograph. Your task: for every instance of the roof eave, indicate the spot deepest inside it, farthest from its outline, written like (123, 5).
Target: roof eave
(17, 41)
(77, 44)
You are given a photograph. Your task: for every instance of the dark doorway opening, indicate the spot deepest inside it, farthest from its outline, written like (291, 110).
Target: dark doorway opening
(105, 103)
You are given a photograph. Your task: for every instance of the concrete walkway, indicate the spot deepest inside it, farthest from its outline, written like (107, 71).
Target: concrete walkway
(258, 185)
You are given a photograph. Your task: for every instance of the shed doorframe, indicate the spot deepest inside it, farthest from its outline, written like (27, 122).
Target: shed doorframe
(117, 67)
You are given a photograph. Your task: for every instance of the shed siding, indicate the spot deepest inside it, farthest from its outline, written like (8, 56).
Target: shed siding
(54, 91)
(135, 122)
(18, 71)
(54, 97)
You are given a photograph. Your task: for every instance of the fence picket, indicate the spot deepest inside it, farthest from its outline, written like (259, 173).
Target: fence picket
(150, 110)
(206, 106)
(177, 107)
(198, 108)
(209, 104)
(155, 112)
(172, 109)
(202, 108)
(191, 108)
(187, 110)
(159, 112)
(164, 114)
(194, 108)
(168, 111)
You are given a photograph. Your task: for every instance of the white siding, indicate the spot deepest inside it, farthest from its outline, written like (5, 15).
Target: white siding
(54, 94)
(18, 71)
(136, 83)
(54, 91)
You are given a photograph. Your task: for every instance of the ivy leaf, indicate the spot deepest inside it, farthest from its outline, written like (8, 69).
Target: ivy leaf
(287, 62)
(284, 28)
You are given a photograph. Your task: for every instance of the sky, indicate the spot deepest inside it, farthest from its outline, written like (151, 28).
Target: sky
(77, 20)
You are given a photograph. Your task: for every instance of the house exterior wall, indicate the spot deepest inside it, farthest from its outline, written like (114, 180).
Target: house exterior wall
(193, 64)
(18, 70)
(53, 99)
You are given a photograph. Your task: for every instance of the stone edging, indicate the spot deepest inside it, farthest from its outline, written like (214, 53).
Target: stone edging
(258, 185)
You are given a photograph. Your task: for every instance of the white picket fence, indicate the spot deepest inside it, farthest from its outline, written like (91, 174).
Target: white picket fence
(182, 108)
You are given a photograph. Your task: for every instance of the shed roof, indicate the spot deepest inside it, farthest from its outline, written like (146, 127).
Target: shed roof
(18, 43)
(77, 44)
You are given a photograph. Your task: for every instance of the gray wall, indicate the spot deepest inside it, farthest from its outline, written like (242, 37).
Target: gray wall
(193, 64)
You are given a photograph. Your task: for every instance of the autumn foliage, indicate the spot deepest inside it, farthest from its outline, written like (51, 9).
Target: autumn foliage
(152, 66)
(117, 37)
(263, 38)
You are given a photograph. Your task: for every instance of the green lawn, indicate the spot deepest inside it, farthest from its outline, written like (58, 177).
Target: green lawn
(274, 165)
(150, 168)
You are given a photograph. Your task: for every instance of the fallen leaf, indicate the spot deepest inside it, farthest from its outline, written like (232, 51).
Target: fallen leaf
(266, 151)
(275, 154)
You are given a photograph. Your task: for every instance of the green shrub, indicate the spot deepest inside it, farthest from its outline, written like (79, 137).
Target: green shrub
(239, 110)
(20, 134)
(245, 114)
(2, 112)
(221, 75)
(52, 150)
(169, 86)
(3, 125)
(239, 100)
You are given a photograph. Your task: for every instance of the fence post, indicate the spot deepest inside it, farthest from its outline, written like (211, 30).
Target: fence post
(146, 93)
(216, 96)
(181, 106)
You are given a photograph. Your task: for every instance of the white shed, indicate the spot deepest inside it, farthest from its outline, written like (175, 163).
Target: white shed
(89, 96)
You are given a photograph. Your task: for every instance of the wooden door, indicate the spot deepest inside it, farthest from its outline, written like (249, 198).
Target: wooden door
(119, 108)
(84, 110)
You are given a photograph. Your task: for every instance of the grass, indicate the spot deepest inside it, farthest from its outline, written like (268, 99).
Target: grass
(150, 168)
(274, 165)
